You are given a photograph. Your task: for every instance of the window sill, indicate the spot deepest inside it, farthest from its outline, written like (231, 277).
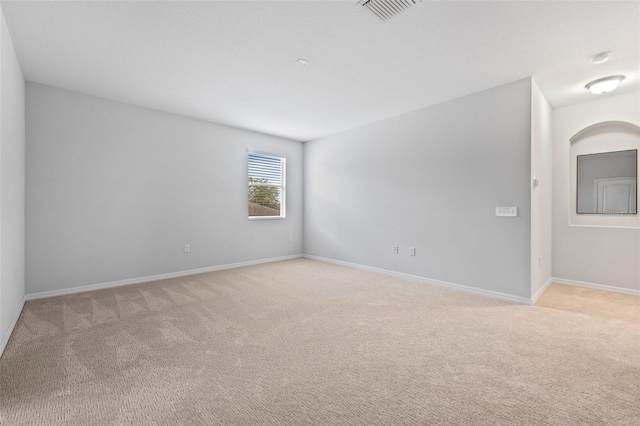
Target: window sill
(266, 217)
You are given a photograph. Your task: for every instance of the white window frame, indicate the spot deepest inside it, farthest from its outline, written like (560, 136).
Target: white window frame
(282, 185)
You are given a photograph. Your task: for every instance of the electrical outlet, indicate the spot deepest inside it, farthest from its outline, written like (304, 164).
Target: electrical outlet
(290, 238)
(412, 251)
(396, 249)
(187, 248)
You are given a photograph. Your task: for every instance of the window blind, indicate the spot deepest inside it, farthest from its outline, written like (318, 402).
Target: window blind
(266, 178)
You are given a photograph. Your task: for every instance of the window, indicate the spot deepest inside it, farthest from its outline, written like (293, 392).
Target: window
(607, 183)
(266, 178)
(604, 170)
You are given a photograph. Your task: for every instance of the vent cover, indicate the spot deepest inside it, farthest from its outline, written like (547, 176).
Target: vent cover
(387, 9)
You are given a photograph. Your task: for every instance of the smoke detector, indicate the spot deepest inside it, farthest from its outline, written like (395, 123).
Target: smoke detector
(387, 9)
(600, 57)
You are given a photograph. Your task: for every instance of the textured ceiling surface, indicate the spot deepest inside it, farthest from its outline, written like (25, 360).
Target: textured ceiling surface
(235, 62)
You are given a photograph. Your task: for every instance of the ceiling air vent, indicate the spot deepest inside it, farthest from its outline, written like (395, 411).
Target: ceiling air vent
(387, 9)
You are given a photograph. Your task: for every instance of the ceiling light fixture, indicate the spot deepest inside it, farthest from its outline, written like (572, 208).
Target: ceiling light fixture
(604, 85)
(600, 57)
(302, 62)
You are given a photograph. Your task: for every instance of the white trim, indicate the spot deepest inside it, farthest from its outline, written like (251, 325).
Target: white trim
(91, 287)
(631, 291)
(5, 338)
(607, 226)
(542, 289)
(468, 289)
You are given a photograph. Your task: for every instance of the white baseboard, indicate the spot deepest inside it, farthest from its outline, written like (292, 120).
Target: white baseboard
(542, 289)
(468, 289)
(5, 338)
(604, 287)
(91, 287)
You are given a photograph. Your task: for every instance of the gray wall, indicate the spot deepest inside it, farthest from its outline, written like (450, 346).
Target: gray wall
(114, 191)
(12, 158)
(606, 250)
(541, 196)
(429, 179)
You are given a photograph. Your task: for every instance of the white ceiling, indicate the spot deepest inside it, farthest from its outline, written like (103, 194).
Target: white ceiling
(234, 62)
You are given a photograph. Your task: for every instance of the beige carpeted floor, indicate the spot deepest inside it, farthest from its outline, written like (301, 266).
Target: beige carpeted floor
(598, 303)
(306, 342)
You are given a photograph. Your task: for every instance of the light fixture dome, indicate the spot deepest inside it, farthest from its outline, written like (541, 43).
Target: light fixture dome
(604, 85)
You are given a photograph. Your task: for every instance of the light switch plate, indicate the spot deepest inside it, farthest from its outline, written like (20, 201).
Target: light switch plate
(507, 211)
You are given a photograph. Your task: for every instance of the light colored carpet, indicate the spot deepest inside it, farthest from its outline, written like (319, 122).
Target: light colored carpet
(306, 342)
(605, 304)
